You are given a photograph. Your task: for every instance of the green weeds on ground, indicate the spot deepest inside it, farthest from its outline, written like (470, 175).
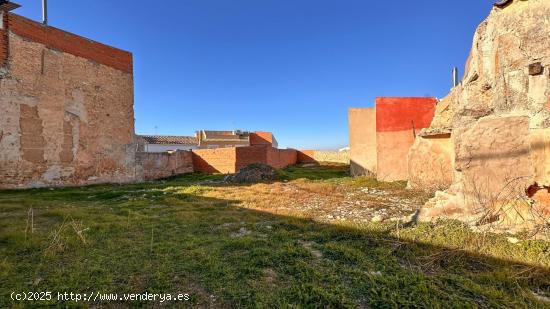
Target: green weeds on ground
(169, 237)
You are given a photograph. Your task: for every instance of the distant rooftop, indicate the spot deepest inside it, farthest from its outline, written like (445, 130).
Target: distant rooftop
(170, 139)
(224, 135)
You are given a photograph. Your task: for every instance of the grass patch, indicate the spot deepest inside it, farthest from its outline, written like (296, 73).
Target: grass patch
(173, 236)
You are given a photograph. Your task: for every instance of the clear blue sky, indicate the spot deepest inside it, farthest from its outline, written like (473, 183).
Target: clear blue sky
(292, 67)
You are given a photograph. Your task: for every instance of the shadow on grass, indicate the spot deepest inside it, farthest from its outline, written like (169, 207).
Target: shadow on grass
(167, 238)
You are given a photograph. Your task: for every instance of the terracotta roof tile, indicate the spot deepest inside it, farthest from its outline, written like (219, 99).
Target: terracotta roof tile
(166, 139)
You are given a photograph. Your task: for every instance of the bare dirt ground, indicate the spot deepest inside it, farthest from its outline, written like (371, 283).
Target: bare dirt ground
(328, 200)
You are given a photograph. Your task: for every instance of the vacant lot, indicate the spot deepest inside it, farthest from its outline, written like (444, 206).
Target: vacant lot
(312, 239)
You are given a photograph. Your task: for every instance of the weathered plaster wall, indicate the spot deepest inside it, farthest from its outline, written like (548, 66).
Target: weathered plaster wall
(398, 120)
(66, 119)
(362, 141)
(431, 163)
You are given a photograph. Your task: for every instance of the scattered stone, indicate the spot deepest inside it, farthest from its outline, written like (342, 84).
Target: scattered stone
(542, 298)
(310, 165)
(377, 218)
(374, 273)
(242, 232)
(37, 281)
(309, 246)
(512, 240)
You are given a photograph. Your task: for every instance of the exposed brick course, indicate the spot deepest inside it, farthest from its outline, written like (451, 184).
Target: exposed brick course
(3, 40)
(57, 39)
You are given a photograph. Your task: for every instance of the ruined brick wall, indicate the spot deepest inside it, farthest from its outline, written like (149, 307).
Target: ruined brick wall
(67, 109)
(231, 159)
(397, 122)
(151, 166)
(362, 141)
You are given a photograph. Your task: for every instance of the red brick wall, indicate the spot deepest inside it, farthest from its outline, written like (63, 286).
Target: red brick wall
(306, 156)
(249, 155)
(280, 158)
(261, 138)
(230, 160)
(70, 43)
(220, 160)
(3, 41)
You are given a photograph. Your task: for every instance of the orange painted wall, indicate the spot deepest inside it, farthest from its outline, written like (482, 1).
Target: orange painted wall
(397, 120)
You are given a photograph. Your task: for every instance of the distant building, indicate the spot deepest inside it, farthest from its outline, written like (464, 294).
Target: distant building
(159, 143)
(224, 139)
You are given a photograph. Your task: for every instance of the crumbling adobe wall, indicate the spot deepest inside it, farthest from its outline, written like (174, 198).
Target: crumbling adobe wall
(67, 109)
(430, 164)
(499, 117)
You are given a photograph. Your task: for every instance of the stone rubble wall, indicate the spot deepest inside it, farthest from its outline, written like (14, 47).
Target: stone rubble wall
(498, 119)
